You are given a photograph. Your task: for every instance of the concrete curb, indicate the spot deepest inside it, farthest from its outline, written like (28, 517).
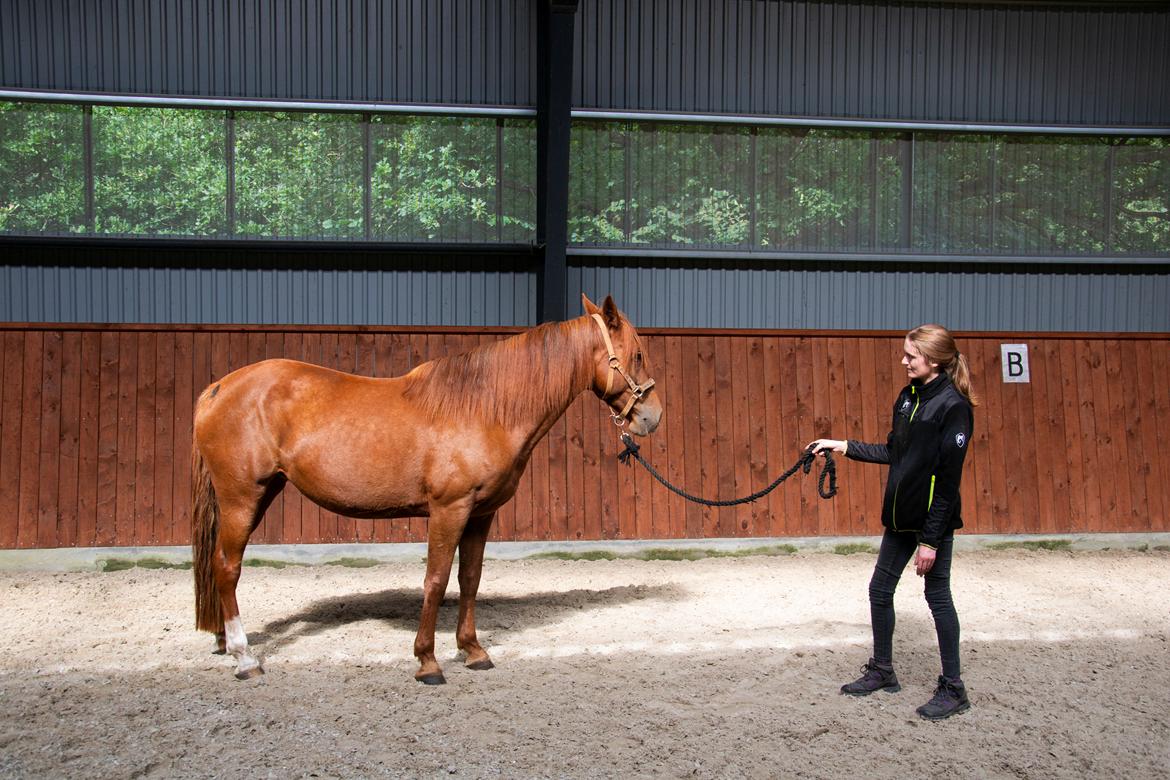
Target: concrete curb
(94, 558)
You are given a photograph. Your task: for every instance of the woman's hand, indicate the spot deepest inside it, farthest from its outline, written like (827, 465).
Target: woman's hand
(924, 560)
(820, 445)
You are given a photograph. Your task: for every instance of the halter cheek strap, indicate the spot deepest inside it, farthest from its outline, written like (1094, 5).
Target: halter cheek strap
(615, 364)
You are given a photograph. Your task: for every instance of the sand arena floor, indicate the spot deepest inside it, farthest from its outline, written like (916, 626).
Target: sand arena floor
(714, 668)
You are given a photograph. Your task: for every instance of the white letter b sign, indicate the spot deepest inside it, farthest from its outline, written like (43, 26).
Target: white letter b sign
(1015, 362)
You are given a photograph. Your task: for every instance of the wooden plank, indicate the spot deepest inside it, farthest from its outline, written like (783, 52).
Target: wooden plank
(848, 408)
(108, 432)
(1114, 486)
(724, 431)
(69, 438)
(1025, 458)
(996, 444)
(1074, 438)
(125, 527)
(866, 480)
(30, 440)
(807, 521)
(709, 420)
(164, 438)
(693, 448)
(1159, 361)
(1091, 476)
(772, 445)
(740, 444)
(89, 411)
(822, 425)
(144, 421)
(185, 383)
(1120, 360)
(1055, 504)
(11, 436)
(792, 435)
(1142, 440)
(668, 367)
(50, 444)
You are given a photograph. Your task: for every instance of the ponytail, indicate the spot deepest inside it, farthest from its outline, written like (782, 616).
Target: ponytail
(960, 376)
(938, 346)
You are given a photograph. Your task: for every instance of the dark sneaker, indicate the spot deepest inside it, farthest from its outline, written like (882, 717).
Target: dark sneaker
(874, 677)
(950, 698)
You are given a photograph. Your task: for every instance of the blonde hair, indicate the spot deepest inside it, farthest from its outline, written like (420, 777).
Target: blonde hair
(937, 345)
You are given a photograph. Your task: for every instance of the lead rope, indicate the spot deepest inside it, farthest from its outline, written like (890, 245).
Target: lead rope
(829, 471)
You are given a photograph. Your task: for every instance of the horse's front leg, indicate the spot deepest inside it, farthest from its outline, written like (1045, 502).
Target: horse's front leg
(444, 530)
(471, 548)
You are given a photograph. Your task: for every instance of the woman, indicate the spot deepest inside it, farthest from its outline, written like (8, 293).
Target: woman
(925, 451)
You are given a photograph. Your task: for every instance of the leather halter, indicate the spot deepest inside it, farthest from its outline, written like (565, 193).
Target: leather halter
(615, 364)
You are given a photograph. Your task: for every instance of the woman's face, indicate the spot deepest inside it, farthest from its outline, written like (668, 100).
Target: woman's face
(917, 366)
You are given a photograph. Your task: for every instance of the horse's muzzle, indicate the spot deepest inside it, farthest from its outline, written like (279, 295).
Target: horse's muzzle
(645, 417)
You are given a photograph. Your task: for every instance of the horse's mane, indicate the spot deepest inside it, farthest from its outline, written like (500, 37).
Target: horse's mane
(508, 381)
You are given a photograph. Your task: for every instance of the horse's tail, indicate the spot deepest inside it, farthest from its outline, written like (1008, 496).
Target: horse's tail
(204, 529)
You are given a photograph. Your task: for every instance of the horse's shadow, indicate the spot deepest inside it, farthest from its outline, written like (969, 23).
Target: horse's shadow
(399, 608)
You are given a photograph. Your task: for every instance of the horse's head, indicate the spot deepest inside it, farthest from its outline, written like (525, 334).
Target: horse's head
(622, 376)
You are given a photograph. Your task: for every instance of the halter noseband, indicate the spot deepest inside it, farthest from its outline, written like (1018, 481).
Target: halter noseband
(636, 390)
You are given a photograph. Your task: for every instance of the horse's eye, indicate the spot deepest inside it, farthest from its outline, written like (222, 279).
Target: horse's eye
(638, 358)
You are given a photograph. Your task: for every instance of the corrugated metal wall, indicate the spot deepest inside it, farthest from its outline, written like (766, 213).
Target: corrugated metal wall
(856, 296)
(268, 287)
(997, 62)
(1002, 62)
(413, 51)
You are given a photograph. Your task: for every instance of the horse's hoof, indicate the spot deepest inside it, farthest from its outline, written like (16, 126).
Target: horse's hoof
(219, 651)
(248, 674)
(482, 665)
(436, 678)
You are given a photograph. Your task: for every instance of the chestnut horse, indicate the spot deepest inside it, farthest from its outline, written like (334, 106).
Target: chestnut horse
(449, 440)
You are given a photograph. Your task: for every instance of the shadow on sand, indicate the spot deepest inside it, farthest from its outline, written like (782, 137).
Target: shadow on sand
(399, 608)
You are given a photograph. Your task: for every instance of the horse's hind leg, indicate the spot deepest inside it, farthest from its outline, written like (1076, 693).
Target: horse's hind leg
(471, 548)
(239, 515)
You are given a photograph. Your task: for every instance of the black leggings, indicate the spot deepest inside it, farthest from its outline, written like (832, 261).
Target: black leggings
(898, 550)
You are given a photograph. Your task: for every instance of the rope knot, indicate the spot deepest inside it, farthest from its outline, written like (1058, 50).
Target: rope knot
(631, 450)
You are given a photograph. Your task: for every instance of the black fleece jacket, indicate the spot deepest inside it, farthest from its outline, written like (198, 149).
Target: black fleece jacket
(925, 452)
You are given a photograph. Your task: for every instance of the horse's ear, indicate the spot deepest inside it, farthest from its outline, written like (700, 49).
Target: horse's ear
(589, 306)
(609, 310)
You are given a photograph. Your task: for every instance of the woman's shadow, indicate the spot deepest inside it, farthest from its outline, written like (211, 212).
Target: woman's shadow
(400, 607)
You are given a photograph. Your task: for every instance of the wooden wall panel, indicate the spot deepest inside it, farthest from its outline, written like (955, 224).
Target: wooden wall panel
(95, 434)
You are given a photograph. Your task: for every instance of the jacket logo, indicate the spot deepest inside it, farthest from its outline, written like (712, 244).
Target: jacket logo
(906, 405)
(960, 440)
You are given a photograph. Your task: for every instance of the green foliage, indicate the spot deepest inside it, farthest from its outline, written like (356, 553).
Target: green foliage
(850, 548)
(159, 171)
(42, 170)
(667, 553)
(1039, 544)
(123, 564)
(354, 563)
(163, 171)
(299, 175)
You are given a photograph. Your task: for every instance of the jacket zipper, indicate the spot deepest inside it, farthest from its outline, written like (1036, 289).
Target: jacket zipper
(894, 513)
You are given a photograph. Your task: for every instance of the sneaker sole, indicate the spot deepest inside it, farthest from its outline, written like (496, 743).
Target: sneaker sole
(858, 694)
(960, 709)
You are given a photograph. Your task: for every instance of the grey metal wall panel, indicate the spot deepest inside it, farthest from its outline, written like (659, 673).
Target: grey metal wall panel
(1026, 63)
(426, 289)
(411, 51)
(862, 297)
